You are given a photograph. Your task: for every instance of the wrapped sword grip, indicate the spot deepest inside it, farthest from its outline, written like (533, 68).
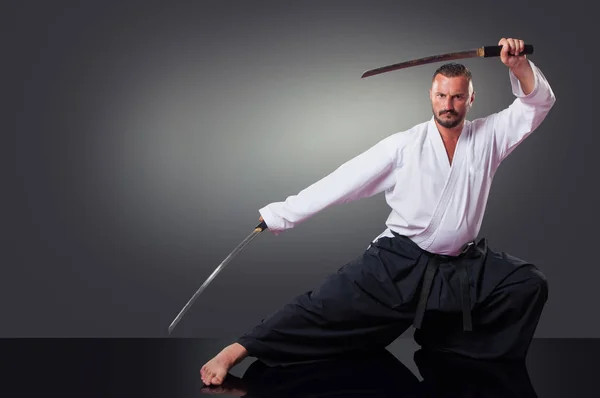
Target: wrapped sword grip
(262, 226)
(494, 51)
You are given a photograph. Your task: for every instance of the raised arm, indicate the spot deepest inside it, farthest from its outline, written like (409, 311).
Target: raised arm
(534, 99)
(365, 175)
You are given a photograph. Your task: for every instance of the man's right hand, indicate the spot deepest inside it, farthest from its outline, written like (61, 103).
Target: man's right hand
(260, 220)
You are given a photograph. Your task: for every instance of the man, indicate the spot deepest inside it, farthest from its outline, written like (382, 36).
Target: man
(426, 268)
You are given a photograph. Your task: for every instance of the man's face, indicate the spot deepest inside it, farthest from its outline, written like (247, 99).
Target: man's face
(451, 99)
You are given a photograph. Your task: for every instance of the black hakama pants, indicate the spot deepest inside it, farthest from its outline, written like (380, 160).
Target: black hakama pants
(481, 304)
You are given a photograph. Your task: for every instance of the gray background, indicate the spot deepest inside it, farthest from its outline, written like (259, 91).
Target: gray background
(141, 138)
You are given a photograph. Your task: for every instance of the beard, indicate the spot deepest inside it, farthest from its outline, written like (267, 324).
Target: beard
(448, 123)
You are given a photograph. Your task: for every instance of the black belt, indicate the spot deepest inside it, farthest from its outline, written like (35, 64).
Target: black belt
(431, 269)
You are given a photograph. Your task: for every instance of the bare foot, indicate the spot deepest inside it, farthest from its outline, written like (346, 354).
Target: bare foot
(215, 370)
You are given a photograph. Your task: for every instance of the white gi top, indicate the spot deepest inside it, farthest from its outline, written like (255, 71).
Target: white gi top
(437, 205)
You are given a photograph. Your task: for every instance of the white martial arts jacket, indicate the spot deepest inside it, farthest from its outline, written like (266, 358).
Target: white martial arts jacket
(437, 205)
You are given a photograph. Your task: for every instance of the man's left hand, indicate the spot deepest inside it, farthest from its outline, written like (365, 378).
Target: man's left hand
(511, 48)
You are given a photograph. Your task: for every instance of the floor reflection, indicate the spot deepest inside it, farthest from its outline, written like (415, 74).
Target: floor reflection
(381, 374)
(446, 375)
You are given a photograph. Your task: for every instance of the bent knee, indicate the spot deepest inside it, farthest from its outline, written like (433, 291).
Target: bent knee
(536, 281)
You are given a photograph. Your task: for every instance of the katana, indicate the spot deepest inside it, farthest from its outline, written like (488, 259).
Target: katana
(259, 228)
(481, 52)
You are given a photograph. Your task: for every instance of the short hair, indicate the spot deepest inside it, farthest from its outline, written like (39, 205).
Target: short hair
(453, 69)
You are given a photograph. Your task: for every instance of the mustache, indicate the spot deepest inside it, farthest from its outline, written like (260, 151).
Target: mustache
(450, 112)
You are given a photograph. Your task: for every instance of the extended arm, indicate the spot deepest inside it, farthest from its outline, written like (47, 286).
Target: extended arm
(365, 175)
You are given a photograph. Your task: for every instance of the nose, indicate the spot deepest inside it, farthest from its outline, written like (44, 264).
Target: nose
(448, 103)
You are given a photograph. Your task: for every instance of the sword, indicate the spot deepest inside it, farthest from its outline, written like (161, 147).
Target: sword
(481, 52)
(259, 228)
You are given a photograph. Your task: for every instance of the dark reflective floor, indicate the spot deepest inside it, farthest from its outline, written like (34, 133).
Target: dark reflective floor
(170, 368)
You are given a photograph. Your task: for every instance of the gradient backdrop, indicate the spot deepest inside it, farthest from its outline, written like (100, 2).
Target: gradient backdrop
(141, 138)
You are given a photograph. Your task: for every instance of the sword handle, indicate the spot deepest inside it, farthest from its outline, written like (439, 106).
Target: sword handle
(494, 51)
(261, 227)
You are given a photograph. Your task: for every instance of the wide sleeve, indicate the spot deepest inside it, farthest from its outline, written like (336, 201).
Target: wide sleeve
(514, 124)
(367, 174)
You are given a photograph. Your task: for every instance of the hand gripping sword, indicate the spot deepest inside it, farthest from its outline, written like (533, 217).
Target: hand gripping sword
(482, 52)
(259, 228)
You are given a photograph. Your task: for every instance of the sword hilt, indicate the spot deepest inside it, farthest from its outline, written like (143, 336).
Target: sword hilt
(494, 51)
(261, 227)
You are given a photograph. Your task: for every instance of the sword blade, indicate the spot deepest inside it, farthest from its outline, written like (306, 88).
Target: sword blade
(422, 61)
(482, 52)
(261, 227)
